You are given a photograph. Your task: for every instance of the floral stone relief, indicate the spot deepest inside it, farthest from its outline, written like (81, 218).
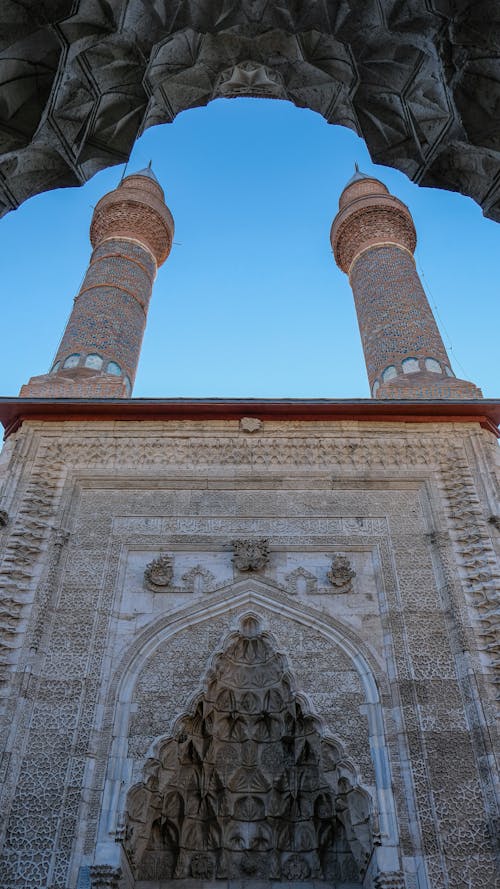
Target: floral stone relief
(159, 574)
(341, 574)
(250, 554)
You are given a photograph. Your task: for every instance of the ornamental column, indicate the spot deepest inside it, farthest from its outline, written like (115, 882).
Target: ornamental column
(131, 233)
(373, 239)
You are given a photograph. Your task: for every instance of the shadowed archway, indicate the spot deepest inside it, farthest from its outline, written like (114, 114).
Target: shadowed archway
(248, 788)
(419, 82)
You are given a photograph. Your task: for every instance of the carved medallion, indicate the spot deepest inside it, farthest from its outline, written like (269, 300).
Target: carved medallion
(159, 573)
(341, 574)
(251, 554)
(250, 424)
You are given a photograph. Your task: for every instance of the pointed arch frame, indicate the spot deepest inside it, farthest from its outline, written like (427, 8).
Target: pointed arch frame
(244, 595)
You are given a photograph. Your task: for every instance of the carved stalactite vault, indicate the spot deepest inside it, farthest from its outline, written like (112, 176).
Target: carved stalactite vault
(247, 786)
(419, 81)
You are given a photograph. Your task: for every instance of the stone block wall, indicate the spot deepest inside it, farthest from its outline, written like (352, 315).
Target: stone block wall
(121, 580)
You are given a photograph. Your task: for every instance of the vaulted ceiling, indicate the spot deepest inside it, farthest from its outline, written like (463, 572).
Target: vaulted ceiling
(419, 80)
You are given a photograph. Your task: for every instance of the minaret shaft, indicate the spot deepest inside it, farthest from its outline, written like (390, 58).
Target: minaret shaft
(392, 332)
(131, 233)
(373, 239)
(110, 311)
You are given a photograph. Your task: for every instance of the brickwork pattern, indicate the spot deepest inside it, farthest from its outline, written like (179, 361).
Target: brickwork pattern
(109, 314)
(393, 329)
(373, 239)
(131, 232)
(369, 215)
(136, 209)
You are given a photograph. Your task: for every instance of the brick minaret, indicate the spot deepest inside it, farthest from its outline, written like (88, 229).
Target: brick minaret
(373, 239)
(131, 233)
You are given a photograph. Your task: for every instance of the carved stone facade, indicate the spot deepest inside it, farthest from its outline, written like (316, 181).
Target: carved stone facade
(249, 724)
(418, 81)
(248, 788)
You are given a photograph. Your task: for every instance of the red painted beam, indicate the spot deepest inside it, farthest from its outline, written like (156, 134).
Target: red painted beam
(14, 411)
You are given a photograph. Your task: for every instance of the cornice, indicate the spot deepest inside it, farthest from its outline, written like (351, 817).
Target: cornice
(15, 411)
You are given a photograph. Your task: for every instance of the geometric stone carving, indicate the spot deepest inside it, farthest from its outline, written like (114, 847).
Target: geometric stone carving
(247, 786)
(301, 581)
(198, 580)
(158, 575)
(103, 876)
(418, 82)
(341, 574)
(250, 78)
(251, 554)
(393, 880)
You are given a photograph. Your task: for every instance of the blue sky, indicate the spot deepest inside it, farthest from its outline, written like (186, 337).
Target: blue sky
(250, 302)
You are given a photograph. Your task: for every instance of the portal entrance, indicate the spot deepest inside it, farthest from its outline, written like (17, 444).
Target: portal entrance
(248, 787)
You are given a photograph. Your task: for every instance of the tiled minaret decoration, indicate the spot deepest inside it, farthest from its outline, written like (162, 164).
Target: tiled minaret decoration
(373, 239)
(131, 233)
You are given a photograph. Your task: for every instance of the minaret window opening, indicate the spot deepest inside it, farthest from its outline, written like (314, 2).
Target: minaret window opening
(448, 371)
(433, 366)
(389, 373)
(72, 360)
(128, 385)
(55, 367)
(94, 361)
(114, 368)
(375, 388)
(410, 365)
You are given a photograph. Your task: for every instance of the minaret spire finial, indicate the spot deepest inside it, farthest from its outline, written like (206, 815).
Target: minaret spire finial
(356, 167)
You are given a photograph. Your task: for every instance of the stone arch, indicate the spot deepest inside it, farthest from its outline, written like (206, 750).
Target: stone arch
(256, 595)
(248, 785)
(415, 82)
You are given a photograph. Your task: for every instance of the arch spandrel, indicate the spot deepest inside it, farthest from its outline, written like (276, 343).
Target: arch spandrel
(418, 83)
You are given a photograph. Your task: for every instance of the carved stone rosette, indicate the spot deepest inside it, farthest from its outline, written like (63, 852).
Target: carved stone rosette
(341, 574)
(250, 554)
(159, 574)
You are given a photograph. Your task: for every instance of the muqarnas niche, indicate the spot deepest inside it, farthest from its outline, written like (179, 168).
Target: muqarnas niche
(248, 786)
